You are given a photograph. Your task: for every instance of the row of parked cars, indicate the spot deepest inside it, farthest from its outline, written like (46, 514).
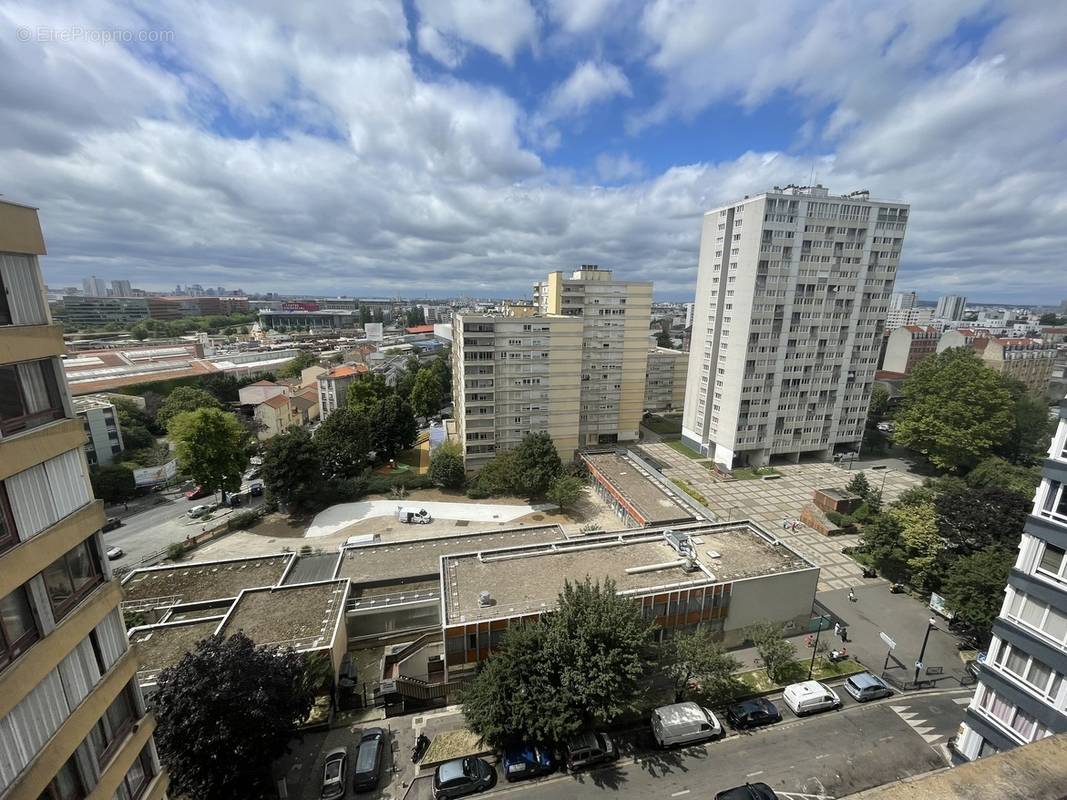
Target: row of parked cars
(673, 725)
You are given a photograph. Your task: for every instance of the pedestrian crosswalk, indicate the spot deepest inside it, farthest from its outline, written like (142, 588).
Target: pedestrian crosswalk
(934, 733)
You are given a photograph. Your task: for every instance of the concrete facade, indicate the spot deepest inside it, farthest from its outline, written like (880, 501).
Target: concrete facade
(515, 375)
(615, 318)
(1028, 360)
(72, 719)
(1022, 692)
(792, 292)
(950, 306)
(909, 345)
(333, 387)
(665, 377)
(102, 427)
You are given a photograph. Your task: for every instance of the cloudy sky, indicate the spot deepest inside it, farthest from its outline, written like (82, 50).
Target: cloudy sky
(469, 146)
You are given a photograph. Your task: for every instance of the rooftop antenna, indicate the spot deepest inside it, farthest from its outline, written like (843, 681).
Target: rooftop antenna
(811, 177)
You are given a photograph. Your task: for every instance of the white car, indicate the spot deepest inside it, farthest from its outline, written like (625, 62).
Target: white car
(684, 723)
(885, 427)
(412, 515)
(810, 697)
(115, 552)
(199, 511)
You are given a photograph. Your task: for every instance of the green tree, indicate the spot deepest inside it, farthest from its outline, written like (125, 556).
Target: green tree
(955, 410)
(292, 469)
(582, 666)
(879, 404)
(426, 399)
(995, 471)
(405, 379)
(972, 520)
(859, 485)
(228, 696)
(922, 543)
(344, 441)
(113, 483)
(536, 464)
(446, 467)
(133, 422)
(883, 541)
(303, 360)
(1031, 429)
(224, 386)
(393, 426)
(777, 655)
(1051, 318)
(212, 448)
(565, 491)
(663, 339)
(974, 589)
(182, 399)
(697, 658)
(441, 368)
(497, 477)
(366, 390)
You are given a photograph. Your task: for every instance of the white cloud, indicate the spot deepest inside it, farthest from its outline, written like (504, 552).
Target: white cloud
(582, 16)
(435, 44)
(502, 27)
(353, 171)
(590, 83)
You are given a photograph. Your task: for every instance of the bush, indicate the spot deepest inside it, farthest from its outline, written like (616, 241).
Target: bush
(175, 550)
(477, 492)
(243, 519)
(861, 514)
(383, 484)
(839, 519)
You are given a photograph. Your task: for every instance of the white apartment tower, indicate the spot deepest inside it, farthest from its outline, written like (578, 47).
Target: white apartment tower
(792, 292)
(903, 300)
(950, 307)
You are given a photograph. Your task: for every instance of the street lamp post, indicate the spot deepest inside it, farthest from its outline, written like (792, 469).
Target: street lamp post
(815, 647)
(930, 625)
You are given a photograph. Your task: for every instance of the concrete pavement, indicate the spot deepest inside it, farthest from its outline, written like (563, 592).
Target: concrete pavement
(336, 518)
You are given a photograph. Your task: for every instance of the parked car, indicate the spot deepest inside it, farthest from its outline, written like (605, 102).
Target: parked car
(253, 473)
(234, 500)
(684, 723)
(369, 760)
(753, 713)
(111, 524)
(885, 427)
(462, 777)
(527, 761)
(866, 686)
(589, 749)
(750, 791)
(413, 515)
(256, 489)
(115, 552)
(333, 774)
(810, 697)
(199, 511)
(196, 493)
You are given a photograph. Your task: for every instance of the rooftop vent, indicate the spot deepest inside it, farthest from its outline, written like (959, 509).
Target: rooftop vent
(484, 600)
(680, 542)
(713, 554)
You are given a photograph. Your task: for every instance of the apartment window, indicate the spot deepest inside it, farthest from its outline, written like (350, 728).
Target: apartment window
(1055, 503)
(70, 578)
(112, 728)
(8, 537)
(1053, 562)
(5, 309)
(18, 629)
(29, 396)
(67, 785)
(1034, 673)
(137, 779)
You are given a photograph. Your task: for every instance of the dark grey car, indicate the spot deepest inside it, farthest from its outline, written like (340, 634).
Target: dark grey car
(462, 777)
(369, 760)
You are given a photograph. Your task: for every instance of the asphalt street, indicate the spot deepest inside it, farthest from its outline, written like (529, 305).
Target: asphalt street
(150, 529)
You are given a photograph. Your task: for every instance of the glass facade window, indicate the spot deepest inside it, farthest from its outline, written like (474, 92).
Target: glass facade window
(18, 628)
(111, 728)
(29, 396)
(67, 785)
(72, 577)
(8, 536)
(138, 778)
(1052, 561)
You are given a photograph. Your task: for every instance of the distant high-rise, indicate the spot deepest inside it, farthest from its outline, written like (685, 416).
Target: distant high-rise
(94, 286)
(121, 289)
(1021, 688)
(903, 300)
(950, 306)
(73, 722)
(792, 291)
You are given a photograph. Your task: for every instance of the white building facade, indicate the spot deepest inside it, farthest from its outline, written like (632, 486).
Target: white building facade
(101, 424)
(950, 307)
(792, 292)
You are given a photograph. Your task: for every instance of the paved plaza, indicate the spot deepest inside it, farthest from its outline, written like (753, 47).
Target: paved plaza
(770, 502)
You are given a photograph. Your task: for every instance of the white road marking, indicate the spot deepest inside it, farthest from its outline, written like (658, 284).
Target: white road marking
(824, 755)
(754, 774)
(961, 701)
(679, 794)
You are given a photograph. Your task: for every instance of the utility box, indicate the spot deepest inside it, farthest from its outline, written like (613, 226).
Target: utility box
(838, 500)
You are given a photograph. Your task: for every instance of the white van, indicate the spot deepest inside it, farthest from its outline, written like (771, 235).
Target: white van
(810, 697)
(413, 515)
(684, 723)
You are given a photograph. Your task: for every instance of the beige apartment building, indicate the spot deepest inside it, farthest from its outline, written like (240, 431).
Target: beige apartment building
(908, 345)
(615, 318)
(792, 291)
(515, 373)
(1027, 360)
(73, 723)
(665, 379)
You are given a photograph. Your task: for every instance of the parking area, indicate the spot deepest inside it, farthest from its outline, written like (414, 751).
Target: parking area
(772, 502)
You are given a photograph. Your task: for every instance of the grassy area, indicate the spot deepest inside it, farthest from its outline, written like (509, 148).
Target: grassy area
(757, 682)
(453, 744)
(665, 426)
(681, 448)
(689, 490)
(752, 473)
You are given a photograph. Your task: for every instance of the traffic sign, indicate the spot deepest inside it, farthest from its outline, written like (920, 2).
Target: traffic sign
(889, 642)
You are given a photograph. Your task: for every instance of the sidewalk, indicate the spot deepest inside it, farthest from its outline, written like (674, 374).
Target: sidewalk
(904, 620)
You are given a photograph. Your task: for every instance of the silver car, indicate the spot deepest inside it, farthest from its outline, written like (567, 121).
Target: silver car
(333, 774)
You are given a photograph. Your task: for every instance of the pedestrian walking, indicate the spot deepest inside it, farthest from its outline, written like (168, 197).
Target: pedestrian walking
(844, 634)
(837, 629)
(793, 526)
(851, 596)
(785, 524)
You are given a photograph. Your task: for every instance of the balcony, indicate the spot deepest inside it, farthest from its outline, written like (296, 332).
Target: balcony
(30, 342)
